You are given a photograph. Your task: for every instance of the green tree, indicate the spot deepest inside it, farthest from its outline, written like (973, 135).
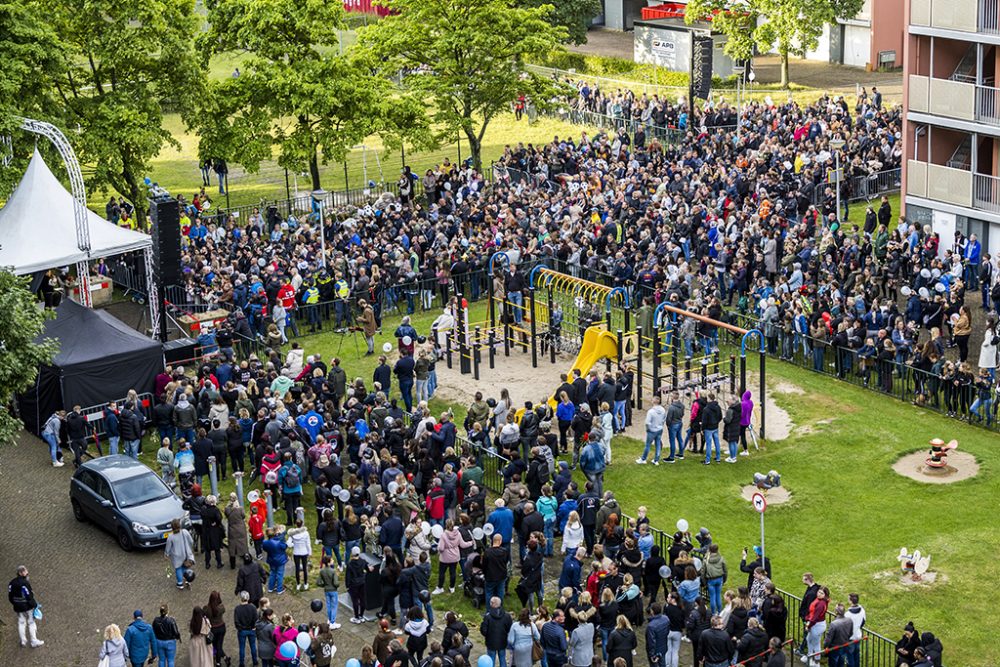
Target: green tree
(121, 61)
(574, 15)
(296, 90)
(466, 58)
(29, 53)
(21, 321)
(786, 26)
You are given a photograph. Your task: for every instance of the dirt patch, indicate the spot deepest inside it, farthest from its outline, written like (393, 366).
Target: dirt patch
(809, 429)
(788, 388)
(961, 466)
(896, 580)
(778, 496)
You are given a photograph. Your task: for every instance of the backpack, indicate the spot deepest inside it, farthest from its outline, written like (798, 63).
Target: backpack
(292, 477)
(271, 477)
(543, 471)
(361, 426)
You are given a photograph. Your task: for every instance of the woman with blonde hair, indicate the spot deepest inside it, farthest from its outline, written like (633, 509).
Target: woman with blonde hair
(622, 641)
(114, 647)
(572, 533)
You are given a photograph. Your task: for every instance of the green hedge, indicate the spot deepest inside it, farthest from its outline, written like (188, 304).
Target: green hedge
(621, 68)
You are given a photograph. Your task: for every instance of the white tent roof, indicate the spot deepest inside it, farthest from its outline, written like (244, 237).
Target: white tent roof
(38, 230)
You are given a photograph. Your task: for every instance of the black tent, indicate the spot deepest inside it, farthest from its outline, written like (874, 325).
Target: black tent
(100, 359)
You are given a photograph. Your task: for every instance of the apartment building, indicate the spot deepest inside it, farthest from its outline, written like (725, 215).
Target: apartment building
(951, 129)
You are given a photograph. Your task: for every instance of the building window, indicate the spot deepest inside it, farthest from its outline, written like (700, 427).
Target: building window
(919, 215)
(969, 226)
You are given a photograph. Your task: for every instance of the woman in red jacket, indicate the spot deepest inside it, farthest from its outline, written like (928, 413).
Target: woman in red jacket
(816, 624)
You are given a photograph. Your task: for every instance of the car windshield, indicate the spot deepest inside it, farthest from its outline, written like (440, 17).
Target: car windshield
(140, 489)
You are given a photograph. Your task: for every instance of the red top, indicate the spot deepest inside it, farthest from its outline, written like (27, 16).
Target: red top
(817, 612)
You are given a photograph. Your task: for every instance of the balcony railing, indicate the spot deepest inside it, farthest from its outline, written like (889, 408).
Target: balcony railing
(986, 192)
(989, 16)
(988, 105)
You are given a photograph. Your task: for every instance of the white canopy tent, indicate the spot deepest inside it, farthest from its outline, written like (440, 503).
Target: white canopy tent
(38, 229)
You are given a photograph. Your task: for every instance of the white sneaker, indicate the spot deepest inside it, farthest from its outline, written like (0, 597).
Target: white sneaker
(804, 659)
(58, 464)
(305, 587)
(437, 591)
(451, 590)
(744, 453)
(335, 626)
(641, 461)
(298, 587)
(730, 459)
(35, 643)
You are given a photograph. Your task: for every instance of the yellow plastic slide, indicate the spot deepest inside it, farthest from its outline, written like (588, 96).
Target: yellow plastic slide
(597, 344)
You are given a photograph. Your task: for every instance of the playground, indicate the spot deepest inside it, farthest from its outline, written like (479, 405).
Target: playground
(842, 511)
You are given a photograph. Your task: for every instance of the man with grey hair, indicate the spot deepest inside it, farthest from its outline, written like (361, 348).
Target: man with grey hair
(245, 620)
(838, 637)
(494, 628)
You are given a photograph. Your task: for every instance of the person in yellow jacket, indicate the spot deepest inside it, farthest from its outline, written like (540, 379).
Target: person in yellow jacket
(341, 291)
(310, 299)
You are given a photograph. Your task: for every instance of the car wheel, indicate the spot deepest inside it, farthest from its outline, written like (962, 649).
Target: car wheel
(124, 540)
(78, 511)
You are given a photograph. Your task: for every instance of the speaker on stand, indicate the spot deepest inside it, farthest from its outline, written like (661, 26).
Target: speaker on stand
(165, 212)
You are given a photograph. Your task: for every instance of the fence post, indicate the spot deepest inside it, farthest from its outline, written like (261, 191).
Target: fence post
(213, 476)
(462, 333)
(761, 395)
(704, 372)
(656, 360)
(492, 344)
(270, 508)
(238, 476)
(638, 366)
(674, 370)
(552, 336)
(732, 373)
(447, 347)
(475, 355)
(534, 336)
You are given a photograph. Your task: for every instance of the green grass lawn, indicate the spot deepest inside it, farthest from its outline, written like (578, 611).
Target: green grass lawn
(849, 514)
(177, 168)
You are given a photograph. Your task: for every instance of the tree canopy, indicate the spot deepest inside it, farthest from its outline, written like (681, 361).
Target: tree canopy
(466, 58)
(787, 26)
(574, 15)
(297, 90)
(21, 320)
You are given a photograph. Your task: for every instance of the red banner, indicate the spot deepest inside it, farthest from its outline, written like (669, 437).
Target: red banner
(365, 7)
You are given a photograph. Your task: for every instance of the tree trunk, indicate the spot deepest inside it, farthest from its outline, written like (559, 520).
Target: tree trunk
(475, 147)
(784, 68)
(314, 168)
(137, 196)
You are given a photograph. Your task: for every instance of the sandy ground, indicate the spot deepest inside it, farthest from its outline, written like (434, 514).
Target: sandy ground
(525, 383)
(778, 496)
(961, 465)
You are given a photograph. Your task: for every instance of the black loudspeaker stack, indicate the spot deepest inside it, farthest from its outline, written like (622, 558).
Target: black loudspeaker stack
(165, 212)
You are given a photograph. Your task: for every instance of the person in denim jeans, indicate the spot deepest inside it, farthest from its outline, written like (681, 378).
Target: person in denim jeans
(716, 573)
(245, 620)
(656, 417)
(548, 506)
(167, 633)
(276, 549)
(675, 424)
(50, 434)
(711, 415)
(329, 579)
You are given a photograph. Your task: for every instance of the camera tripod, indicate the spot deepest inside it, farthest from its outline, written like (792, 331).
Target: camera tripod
(353, 331)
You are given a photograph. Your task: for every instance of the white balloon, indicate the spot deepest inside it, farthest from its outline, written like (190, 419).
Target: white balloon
(407, 340)
(924, 292)
(925, 273)
(954, 318)
(905, 290)
(387, 348)
(488, 529)
(392, 487)
(940, 287)
(664, 571)
(477, 533)
(697, 564)
(344, 495)
(425, 527)
(336, 488)
(682, 525)
(437, 532)
(936, 273)
(303, 640)
(253, 496)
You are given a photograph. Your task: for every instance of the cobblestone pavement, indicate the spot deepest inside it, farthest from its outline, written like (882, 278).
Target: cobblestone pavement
(84, 581)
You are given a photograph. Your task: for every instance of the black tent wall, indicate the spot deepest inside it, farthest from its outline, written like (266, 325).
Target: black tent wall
(38, 403)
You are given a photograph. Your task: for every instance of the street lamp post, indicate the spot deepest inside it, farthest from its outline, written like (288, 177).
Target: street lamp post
(836, 144)
(319, 196)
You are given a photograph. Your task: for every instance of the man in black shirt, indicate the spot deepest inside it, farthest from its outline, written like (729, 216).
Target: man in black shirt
(716, 645)
(495, 561)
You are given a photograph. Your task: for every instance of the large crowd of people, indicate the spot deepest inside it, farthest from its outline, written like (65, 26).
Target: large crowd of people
(725, 223)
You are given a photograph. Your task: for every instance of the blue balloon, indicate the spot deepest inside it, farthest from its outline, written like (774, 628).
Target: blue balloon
(353, 662)
(289, 650)
(484, 661)
(147, 181)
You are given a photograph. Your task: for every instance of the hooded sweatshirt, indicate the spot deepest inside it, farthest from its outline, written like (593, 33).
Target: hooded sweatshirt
(746, 406)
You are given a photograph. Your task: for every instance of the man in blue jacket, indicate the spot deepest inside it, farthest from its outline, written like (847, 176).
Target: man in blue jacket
(276, 549)
(572, 569)
(554, 640)
(657, 634)
(502, 520)
(140, 640)
(592, 462)
(111, 427)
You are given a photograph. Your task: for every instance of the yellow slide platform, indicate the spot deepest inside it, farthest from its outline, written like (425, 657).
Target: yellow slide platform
(597, 344)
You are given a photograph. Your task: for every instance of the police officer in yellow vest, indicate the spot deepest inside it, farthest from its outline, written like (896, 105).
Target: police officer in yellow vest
(310, 299)
(342, 305)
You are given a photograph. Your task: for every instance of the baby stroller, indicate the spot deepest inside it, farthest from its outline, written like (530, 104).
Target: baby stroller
(474, 586)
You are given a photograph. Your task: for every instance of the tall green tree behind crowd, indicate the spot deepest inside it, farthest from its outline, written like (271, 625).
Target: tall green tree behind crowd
(297, 91)
(121, 62)
(21, 320)
(467, 59)
(574, 15)
(790, 27)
